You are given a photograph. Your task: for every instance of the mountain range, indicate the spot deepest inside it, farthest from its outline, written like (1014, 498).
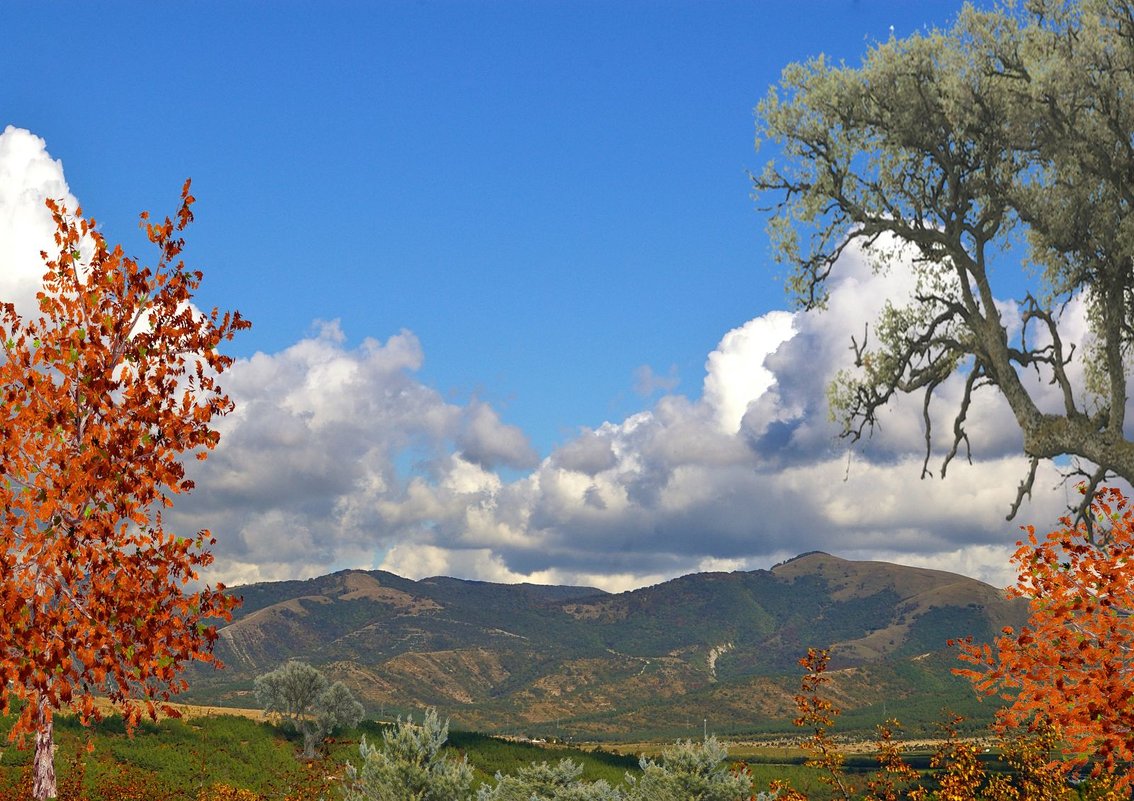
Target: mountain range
(708, 650)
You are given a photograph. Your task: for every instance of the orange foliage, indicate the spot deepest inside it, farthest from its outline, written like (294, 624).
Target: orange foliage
(223, 792)
(1072, 666)
(960, 775)
(957, 769)
(818, 714)
(1038, 777)
(103, 392)
(894, 774)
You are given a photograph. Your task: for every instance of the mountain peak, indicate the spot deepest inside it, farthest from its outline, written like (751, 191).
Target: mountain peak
(808, 556)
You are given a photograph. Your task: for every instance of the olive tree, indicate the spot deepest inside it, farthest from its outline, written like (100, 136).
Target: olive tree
(305, 700)
(1006, 135)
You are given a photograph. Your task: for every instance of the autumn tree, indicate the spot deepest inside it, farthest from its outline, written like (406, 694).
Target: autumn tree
(1071, 667)
(818, 714)
(106, 387)
(1006, 136)
(305, 700)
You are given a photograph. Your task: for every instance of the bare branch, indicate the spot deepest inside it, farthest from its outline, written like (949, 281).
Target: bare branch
(1025, 488)
(1081, 512)
(959, 433)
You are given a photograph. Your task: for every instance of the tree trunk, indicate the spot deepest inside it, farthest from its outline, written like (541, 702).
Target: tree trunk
(43, 786)
(308, 743)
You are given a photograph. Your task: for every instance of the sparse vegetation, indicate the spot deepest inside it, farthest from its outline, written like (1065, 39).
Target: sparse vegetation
(639, 669)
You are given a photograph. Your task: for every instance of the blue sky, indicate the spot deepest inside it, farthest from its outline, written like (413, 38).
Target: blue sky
(549, 199)
(549, 194)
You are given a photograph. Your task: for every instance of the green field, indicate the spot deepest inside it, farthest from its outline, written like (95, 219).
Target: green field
(182, 759)
(210, 757)
(177, 760)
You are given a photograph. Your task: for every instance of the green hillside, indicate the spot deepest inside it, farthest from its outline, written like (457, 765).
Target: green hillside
(177, 760)
(588, 664)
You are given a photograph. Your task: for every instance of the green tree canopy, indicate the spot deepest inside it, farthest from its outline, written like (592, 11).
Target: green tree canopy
(1010, 133)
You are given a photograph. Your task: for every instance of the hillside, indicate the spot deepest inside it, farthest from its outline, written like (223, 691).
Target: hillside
(654, 661)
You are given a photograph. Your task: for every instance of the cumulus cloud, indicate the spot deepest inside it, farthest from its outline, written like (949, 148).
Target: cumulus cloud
(338, 455)
(28, 177)
(312, 472)
(343, 449)
(591, 452)
(485, 441)
(737, 374)
(753, 471)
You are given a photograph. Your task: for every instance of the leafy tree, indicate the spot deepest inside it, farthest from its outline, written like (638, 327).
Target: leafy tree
(1072, 666)
(304, 699)
(1007, 134)
(103, 393)
(409, 765)
(689, 771)
(544, 782)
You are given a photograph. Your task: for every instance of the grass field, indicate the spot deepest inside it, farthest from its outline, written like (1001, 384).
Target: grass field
(197, 757)
(182, 759)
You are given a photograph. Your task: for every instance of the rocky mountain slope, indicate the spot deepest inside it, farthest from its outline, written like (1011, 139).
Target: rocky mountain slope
(658, 661)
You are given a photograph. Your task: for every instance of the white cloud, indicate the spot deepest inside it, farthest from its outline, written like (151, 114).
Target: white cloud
(711, 564)
(736, 371)
(342, 449)
(678, 488)
(481, 564)
(745, 476)
(28, 177)
(338, 455)
(485, 441)
(588, 453)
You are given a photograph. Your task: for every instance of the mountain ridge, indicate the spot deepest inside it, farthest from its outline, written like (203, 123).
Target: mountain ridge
(650, 660)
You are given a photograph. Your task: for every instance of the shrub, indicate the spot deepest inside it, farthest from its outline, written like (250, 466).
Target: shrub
(544, 782)
(409, 766)
(689, 771)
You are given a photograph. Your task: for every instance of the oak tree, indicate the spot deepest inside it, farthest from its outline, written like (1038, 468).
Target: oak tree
(104, 390)
(1071, 667)
(1006, 136)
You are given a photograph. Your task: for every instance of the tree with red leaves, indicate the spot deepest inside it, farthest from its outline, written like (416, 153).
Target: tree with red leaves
(1072, 666)
(102, 394)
